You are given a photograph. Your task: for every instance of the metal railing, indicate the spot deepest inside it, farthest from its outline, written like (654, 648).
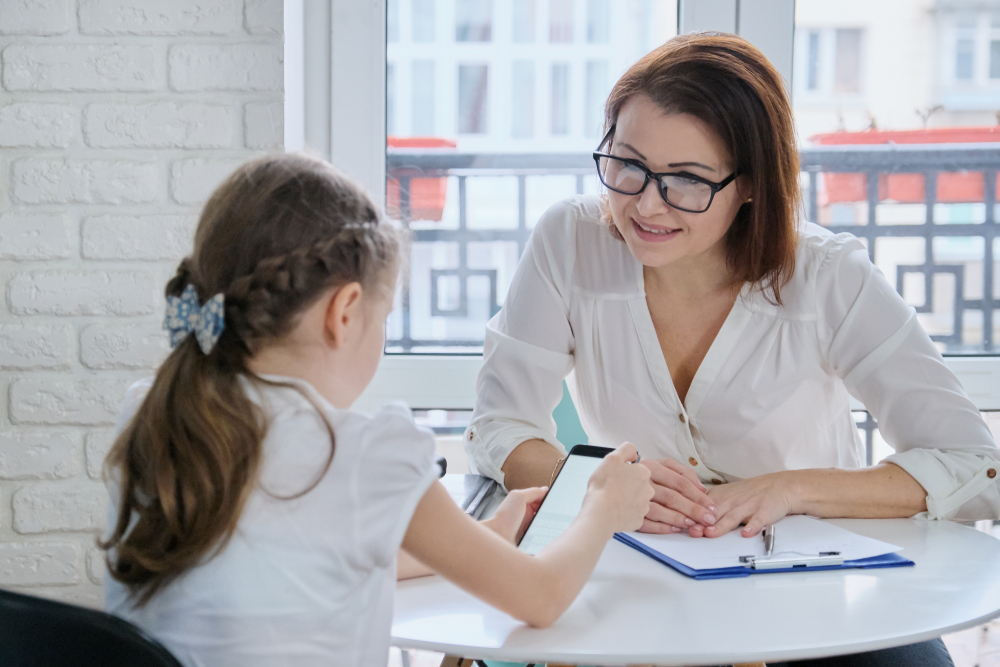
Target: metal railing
(870, 162)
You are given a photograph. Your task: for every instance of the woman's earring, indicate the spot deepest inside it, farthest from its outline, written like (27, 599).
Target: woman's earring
(749, 199)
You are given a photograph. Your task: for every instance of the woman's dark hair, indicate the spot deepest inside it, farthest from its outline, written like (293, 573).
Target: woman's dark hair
(276, 235)
(729, 85)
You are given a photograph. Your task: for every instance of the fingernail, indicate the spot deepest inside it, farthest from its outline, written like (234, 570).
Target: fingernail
(675, 529)
(711, 507)
(709, 519)
(689, 522)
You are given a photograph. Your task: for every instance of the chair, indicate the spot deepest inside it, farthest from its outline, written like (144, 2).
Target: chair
(35, 632)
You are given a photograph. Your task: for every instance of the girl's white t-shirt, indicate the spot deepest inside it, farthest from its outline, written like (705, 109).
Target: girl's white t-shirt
(307, 581)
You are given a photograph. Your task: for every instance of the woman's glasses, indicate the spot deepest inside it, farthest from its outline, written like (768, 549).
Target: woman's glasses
(682, 190)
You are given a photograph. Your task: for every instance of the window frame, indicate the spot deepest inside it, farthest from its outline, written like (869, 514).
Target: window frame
(349, 50)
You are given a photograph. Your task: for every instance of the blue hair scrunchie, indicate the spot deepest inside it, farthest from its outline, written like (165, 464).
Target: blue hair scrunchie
(184, 315)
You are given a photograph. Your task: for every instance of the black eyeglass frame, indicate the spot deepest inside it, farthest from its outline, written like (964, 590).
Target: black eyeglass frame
(715, 187)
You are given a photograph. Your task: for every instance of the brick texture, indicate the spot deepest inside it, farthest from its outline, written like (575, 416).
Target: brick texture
(44, 67)
(83, 402)
(40, 563)
(39, 455)
(117, 119)
(131, 237)
(192, 181)
(65, 181)
(157, 17)
(233, 67)
(37, 125)
(34, 236)
(106, 346)
(48, 507)
(83, 293)
(264, 125)
(35, 17)
(162, 125)
(31, 347)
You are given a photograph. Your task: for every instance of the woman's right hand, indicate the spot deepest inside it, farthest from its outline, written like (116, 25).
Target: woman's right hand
(681, 501)
(621, 489)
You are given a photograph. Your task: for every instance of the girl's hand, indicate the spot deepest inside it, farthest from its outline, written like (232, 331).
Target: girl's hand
(680, 501)
(757, 502)
(621, 488)
(515, 513)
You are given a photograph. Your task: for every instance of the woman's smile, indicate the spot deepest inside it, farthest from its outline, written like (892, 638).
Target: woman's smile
(653, 233)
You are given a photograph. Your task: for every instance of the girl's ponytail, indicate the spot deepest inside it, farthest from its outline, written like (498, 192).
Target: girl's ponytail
(275, 236)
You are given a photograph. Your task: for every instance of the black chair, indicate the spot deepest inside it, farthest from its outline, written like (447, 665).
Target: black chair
(43, 633)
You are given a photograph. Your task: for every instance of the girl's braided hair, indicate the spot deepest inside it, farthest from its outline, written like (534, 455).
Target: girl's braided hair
(276, 235)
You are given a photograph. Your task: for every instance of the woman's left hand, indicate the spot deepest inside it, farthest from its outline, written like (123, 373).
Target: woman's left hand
(515, 513)
(757, 502)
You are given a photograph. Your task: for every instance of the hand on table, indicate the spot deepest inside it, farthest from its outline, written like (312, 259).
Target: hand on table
(515, 513)
(758, 502)
(680, 501)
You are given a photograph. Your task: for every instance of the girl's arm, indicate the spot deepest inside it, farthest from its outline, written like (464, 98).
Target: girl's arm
(534, 589)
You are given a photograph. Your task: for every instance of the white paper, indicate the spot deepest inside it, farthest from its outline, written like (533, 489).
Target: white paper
(794, 536)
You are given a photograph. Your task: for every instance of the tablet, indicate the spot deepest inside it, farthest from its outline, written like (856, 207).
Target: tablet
(564, 499)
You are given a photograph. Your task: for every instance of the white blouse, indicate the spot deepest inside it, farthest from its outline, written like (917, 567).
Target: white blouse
(773, 390)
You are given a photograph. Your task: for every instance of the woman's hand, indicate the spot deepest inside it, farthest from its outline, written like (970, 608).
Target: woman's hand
(515, 513)
(680, 501)
(757, 502)
(621, 489)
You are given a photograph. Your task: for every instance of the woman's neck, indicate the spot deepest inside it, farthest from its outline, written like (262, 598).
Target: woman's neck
(691, 279)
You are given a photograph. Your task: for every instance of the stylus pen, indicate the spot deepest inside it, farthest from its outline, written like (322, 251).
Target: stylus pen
(768, 540)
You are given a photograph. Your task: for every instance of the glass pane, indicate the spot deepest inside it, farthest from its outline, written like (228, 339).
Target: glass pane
(964, 52)
(560, 21)
(522, 21)
(598, 87)
(598, 21)
(473, 89)
(522, 97)
(473, 20)
(390, 99)
(559, 103)
(847, 67)
(423, 21)
(995, 59)
(392, 20)
(422, 106)
(492, 127)
(812, 63)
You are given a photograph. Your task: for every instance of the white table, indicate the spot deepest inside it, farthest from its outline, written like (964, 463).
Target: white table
(637, 611)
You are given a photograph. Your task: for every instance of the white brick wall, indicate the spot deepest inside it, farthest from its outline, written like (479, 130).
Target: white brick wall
(117, 119)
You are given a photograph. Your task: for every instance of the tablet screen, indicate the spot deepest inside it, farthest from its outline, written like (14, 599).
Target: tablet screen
(561, 505)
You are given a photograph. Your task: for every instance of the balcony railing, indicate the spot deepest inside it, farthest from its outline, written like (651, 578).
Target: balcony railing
(899, 199)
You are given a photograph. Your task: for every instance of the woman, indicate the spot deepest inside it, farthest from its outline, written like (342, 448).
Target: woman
(715, 332)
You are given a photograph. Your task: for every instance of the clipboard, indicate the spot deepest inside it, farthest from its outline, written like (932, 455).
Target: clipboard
(885, 560)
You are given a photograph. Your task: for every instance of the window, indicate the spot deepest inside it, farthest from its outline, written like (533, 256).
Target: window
(423, 21)
(522, 98)
(473, 91)
(829, 63)
(523, 21)
(598, 21)
(560, 21)
(422, 107)
(560, 99)
(473, 20)
(598, 87)
(847, 66)
(390, 99)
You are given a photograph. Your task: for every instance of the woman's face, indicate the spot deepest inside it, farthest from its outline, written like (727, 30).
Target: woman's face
(657, 234)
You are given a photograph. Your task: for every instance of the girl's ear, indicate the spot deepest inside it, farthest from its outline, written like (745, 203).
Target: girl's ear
(344, 315)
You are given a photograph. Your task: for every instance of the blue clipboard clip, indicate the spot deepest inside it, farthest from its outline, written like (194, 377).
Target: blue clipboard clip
(779, 561)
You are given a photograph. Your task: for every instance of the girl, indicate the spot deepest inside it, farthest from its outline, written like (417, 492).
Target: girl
(257, 519)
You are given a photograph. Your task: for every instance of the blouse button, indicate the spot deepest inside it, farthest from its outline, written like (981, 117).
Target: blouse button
(693, 461)
(683, 418)
(470, 436)
(716, 481)
(991, 473)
